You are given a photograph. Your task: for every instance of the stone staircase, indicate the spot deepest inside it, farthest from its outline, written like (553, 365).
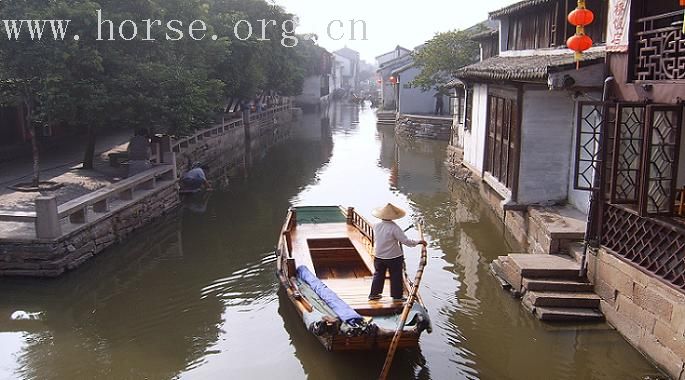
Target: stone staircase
(549, 286)
(386, 117)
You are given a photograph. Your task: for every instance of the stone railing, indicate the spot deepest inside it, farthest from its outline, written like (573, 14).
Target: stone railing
(217, 130)
(48, 216)
(268, 113)
(178, 145)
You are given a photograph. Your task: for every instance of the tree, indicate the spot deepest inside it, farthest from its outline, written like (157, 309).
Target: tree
(443, 55)
(165, 86)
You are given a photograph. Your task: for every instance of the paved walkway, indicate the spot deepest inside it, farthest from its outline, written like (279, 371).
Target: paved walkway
(63, 165)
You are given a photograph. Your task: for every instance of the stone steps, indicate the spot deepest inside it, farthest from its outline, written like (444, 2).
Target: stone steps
(564, 314)
(563, 299)
(576, 250)
(555, 284)
(386, 118)
(549, 286)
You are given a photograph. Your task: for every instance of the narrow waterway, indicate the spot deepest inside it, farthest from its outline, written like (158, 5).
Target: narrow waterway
(196, 297)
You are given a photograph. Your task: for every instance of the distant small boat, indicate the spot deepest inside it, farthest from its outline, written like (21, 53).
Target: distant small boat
(325, 265)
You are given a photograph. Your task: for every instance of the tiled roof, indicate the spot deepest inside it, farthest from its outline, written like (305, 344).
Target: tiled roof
(528, 67)
(521, 5)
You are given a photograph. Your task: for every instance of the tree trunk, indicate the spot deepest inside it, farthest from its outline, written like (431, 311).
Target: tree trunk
(89, 154)
(34, 144)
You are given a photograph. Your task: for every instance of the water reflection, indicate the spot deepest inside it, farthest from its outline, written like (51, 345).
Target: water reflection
(195, 296)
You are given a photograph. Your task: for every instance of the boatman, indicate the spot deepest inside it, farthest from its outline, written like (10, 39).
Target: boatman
(388, 238)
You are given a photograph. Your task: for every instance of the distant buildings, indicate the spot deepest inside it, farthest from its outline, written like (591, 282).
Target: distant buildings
(348, 61)
(319, 85)
(387, 63)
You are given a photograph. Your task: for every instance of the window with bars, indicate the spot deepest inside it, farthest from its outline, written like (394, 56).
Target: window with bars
(502, 131)
(468, 108)
(457, 103)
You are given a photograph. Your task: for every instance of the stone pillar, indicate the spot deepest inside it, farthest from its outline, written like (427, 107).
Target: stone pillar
(165, 147)
(47, 219)
(168, 155)
(171, 157)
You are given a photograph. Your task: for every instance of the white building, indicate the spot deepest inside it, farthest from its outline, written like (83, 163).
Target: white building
(349, 62)
(519, 128)
(398, 52)
(412, 99)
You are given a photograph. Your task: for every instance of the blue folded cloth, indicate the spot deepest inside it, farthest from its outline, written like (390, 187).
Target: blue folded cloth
(339, 307)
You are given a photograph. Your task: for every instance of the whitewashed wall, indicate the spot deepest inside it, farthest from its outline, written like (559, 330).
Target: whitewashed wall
(546, 146)
(414, 100)
(311, 91)
(474, 139)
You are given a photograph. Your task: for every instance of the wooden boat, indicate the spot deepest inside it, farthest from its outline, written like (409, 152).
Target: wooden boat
(335, 245)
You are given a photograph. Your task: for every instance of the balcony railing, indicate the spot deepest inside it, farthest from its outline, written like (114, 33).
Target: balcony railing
(657, 245)
(660, 48)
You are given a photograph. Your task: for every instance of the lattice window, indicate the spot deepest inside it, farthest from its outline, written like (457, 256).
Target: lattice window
(627, 160)
(660, 48)
(663, 145)
(593, 118)
(654, 246)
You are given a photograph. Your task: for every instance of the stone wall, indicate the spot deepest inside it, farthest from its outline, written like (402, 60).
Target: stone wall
(216, 151)
(230, 149)
(52, 258)
(647, 312)
(424, 127)
(227, 151)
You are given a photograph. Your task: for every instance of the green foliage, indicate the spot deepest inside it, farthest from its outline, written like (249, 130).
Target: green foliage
(443, 55)
(168, 86)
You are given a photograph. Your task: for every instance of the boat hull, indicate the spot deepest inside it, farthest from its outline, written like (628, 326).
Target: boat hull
(349, 278)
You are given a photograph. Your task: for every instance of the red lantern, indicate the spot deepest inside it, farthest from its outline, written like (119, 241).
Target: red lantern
(579, 43)
(393, 80)
(582, 17)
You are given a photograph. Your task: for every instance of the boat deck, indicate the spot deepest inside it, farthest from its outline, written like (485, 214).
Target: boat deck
(352, 284)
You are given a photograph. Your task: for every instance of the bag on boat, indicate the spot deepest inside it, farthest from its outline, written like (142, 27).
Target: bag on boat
(339, 307)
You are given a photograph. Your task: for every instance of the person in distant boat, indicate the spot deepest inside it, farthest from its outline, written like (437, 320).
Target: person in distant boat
(195, 179)
(388, 238)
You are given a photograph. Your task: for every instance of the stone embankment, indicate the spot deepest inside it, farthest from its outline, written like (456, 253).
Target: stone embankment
(55, 238)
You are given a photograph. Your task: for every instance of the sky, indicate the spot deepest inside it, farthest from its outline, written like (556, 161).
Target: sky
(389, 22)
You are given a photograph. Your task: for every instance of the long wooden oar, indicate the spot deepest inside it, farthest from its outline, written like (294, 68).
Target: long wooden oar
(407, 307)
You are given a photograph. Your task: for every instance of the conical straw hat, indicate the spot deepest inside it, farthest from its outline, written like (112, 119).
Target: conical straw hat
(389, 212)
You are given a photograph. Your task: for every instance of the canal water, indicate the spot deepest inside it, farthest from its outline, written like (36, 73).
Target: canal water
(195, 296)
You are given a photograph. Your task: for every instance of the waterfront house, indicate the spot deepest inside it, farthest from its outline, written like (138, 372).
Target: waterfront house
(398, 52)
(488, 40)
(636, 140)
(519, 126)
(413, 99)
(386, 63)
(319, 84)
(349, 62)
